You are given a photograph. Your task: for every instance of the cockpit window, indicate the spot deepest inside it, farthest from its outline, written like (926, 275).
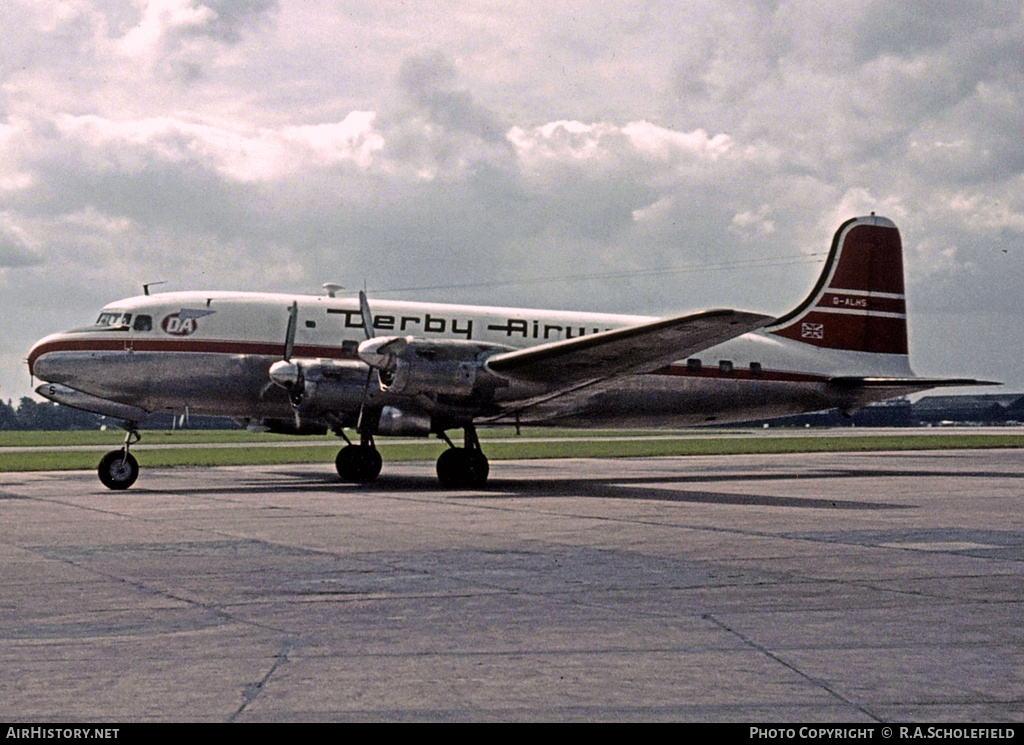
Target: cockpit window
(109, 318)
(143, 323)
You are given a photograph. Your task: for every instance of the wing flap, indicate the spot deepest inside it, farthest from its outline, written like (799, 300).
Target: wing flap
(634, 350)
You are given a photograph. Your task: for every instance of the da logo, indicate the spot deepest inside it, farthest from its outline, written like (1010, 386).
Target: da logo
(183, 322)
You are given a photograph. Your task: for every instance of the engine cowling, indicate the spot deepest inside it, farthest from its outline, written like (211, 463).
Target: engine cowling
(447, 377)
(321, 383)
(409, 366)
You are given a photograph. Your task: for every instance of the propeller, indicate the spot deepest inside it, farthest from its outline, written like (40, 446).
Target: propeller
(364, 311)
(379, 352)
(285, 373)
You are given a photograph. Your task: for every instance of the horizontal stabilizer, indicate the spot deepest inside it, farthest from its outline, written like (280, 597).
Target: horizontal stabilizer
(634, 350)
(910, 384)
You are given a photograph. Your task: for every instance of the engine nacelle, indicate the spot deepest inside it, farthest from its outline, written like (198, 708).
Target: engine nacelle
(325, 384)
(409, 366)
(412, 375)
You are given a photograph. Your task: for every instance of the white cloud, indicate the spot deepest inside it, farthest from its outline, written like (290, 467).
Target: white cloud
(14, 139)
(750, 224)
(639, 148)
(240, 155)
(987, 214)
(17, 248)
(181, 38)
(215, 141)
(658, 143)
(162, 19)
(352, 139)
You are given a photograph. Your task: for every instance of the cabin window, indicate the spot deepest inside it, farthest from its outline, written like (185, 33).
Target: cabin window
(310, 324)
(693, 364)
(143, 323)
(755, 368)
(725, 367)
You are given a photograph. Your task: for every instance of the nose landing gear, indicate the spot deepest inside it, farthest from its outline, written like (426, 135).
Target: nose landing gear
(118, 469)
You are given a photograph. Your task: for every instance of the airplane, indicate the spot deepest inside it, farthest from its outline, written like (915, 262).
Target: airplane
(309, 364)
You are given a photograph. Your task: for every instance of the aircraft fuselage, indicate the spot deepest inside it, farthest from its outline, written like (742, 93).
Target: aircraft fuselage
(209, 353)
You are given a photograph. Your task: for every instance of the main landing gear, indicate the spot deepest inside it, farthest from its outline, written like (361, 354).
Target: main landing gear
(465, 467)
(458, 467)
(359, 464)
(118, 469)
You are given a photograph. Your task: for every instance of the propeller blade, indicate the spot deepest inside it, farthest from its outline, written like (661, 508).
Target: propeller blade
(362, 404)
(364, 311)
(289, 334)
(372, 352)
(284, 373)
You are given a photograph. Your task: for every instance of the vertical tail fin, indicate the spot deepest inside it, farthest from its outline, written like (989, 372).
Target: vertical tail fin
(858, 303)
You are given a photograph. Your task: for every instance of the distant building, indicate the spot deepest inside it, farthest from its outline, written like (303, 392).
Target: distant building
(994, 408)
(989, 409)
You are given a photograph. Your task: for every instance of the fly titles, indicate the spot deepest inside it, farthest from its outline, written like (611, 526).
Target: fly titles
(430, 323)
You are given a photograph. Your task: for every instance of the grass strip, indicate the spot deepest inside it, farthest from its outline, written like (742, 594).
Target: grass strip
(322, 450)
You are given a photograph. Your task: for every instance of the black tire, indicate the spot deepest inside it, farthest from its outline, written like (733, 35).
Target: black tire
(118, 470)
(459, 468)
(358, 464)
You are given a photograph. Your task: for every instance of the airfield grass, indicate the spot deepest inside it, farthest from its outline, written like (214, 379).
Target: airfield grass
(51, 451)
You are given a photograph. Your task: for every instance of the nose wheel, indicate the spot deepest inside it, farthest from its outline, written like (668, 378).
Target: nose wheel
(118, 469)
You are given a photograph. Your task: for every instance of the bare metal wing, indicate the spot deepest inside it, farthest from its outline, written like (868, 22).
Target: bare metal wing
(566, 366)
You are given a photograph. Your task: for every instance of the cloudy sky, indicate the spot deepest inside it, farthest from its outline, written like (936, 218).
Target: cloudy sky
(653, 157)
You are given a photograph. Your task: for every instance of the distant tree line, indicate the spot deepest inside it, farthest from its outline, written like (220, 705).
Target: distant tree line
(1001, 409)
(31, 414)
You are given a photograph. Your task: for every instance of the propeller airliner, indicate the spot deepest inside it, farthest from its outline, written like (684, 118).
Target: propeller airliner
(311, 364)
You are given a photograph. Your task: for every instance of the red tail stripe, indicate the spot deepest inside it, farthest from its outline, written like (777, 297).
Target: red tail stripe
(872, 259)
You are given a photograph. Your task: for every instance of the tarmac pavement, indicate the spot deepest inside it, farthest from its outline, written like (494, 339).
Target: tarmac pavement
(852, 587)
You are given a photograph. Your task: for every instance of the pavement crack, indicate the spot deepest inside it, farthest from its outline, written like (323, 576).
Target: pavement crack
(776, 658)
(251, 691)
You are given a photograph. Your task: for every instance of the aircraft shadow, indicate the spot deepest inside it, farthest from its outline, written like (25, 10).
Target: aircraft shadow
(638, 488)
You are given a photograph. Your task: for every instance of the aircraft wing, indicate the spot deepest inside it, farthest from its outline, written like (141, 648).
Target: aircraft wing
(569, 365)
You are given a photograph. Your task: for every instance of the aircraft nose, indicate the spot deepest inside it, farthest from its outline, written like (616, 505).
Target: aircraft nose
(45, 359)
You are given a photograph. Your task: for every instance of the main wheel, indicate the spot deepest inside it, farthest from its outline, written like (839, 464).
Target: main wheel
(118, 470)
(358, 464)
(461, 468)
